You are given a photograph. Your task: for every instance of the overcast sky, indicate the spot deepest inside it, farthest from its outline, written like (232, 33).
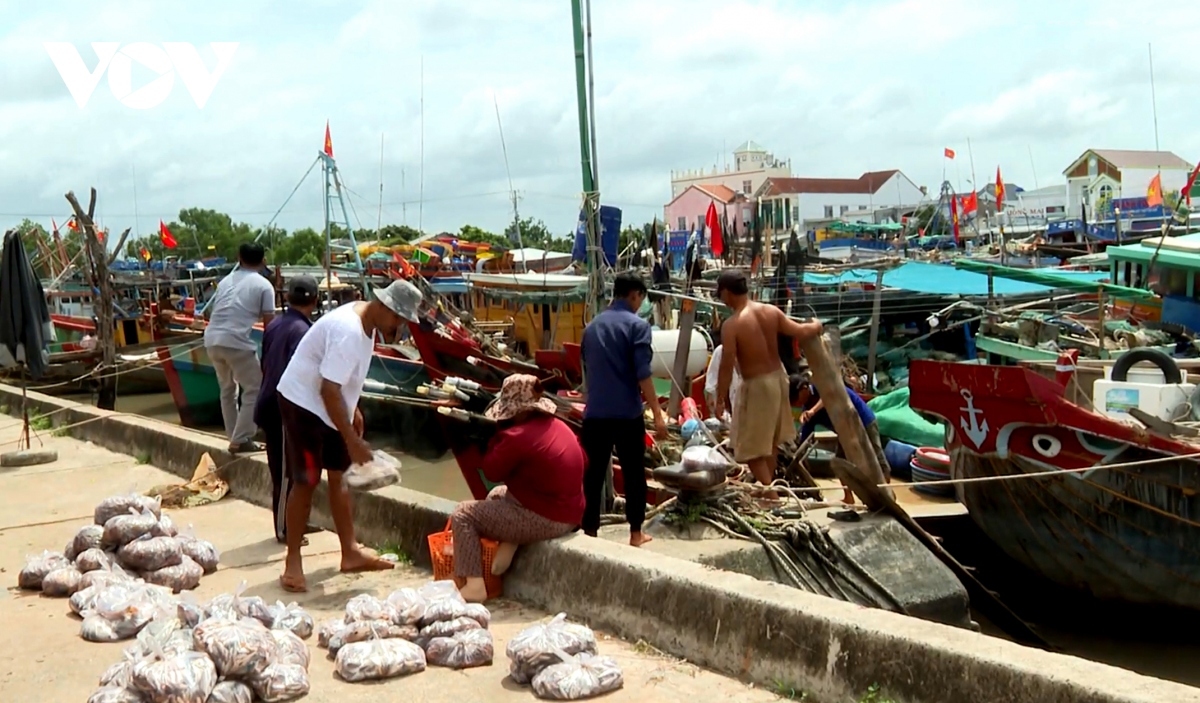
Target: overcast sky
(839, 87)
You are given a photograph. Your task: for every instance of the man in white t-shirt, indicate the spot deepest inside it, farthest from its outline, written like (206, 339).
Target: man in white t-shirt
(322, 426)
(243, 299)
(710, 383)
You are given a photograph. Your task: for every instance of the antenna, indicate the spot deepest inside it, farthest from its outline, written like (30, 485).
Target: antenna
(1153, 98)
(136, 227)
(421, 205)
(379, 220)
(1035, 179)
(508, 171)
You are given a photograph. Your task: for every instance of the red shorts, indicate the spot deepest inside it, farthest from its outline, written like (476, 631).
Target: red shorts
(309, 445)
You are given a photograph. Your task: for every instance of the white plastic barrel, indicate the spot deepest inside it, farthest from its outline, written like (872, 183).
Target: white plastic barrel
(664, 343)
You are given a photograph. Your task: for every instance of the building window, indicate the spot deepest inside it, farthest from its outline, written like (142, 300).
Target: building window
(747, 187)
(682, 223)
(828, 211)
(845, 209)
(796, 214)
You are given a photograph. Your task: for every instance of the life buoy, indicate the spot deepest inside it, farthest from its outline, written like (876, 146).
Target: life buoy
(1135, 356)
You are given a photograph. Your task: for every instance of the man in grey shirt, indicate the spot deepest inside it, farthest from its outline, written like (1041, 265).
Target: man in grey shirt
(243, 298)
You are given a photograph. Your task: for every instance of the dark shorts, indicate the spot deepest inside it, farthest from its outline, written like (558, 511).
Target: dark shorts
(309, 445)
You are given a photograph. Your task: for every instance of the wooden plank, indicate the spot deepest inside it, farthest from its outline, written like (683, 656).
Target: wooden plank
(687, 318)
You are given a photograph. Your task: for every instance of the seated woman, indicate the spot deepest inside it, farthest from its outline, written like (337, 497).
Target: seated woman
(541, 463)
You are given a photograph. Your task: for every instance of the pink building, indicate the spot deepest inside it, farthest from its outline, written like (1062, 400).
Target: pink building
(687, 209)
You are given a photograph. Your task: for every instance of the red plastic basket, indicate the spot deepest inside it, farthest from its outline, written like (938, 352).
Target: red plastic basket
(441, 553)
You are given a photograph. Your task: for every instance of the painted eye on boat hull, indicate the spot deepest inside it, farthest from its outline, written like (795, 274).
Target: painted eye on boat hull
(1046, 445)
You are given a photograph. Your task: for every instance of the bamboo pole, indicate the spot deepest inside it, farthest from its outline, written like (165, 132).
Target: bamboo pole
(105, 328)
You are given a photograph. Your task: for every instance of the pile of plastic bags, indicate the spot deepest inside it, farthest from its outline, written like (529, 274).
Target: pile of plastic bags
(130, 535)
(379, 638)
(235, 649)
(559, 659)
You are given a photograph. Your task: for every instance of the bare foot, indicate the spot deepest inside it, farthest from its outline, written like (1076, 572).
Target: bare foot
(293, 583)
(358, 561)
(848, 497)
(637, 539)
(503, 558)
(474, 590)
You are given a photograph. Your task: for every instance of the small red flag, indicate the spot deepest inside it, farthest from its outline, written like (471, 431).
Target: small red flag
(999, 191)
(1186, 193)
(145, 253)
(328, 141)
(949, 153)
(165, 235)
(1154, 194)
(954, 216)
(715, 241)
(970, 203)
(73, 225)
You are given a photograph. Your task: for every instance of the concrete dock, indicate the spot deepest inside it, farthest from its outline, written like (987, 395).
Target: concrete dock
(745, 628)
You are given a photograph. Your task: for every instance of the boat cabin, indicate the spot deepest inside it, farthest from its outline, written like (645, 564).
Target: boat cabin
(544, 311)
(1168, 267)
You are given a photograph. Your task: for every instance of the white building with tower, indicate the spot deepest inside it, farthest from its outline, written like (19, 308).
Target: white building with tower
(752, 166)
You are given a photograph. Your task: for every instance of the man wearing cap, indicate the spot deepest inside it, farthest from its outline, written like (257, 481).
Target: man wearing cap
(243, 299)
(279, 342)
(322, 426)
(762, 419)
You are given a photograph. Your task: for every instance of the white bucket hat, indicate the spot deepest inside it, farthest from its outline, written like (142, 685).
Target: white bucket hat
(402, 298)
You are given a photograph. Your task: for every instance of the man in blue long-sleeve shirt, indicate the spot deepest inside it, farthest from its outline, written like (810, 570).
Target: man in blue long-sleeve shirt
(617, 352)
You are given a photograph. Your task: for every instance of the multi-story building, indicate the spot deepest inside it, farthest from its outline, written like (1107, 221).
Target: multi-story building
(784, 202)
(752, 164)
(687, 210)
(1101, 175)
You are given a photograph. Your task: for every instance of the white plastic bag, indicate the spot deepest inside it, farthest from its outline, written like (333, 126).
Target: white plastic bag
(409, 604)
(330, 629)
(181, 678)
(118, 674)
(383, 470)
(147, 553)
(233, 606)
(98, 629)
(165, 527)
(121, 505)
(106, 575)
(537, 646)
(231, 692)
(238, 648)
(293, 618)
(123, 529)
(464, 650)
(36, 568)
(183, 576)
(82, 599)
(88, 537)
(442, 602)
(189, 611)
(120, 611)
(201, 551)
(364, 630)
(577, 677)
(379, 659)
(61, 583)
(281, 682)
(289, 648)
(92, 559)
(703, 458)
(448, 628)
(365, 607)
(479, 613)
(115, 694)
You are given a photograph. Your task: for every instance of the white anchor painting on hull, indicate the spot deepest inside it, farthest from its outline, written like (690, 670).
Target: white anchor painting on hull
(974, 430)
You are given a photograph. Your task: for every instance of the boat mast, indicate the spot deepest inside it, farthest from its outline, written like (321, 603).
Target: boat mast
(590, 195)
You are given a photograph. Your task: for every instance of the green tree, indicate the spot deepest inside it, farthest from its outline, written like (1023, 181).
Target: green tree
(309, 259)
(390, 235)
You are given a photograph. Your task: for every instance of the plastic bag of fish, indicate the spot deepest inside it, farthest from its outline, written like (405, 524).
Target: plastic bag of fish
(577, 677)
(232, 606)
(463, 650)
(201, 551)
(120, 530)
(442, 602)
(240, 649)
(109, 508)
(382, 470)
(293, 618)
(149, 553)
(120, 610)
(183, 576)
(61, 583)
(38, 566)
(539, 646)
(379, 659)
(363, 630)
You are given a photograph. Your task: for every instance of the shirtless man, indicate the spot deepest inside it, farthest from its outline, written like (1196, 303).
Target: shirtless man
(762, 419)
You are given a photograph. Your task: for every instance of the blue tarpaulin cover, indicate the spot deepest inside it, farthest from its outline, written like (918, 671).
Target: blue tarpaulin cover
(944, 279)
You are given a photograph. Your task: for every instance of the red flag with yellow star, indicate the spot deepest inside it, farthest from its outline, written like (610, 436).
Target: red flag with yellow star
(328, 141)
(999, 191)
(1154, 194)
(954, 216)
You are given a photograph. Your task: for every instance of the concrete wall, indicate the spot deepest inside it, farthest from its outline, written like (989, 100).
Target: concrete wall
(765, 632)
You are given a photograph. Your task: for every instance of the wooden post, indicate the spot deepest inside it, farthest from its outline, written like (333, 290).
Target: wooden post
(1103, 353)
(867, 474)
(873, 344)
(103, 306)
(687, 317)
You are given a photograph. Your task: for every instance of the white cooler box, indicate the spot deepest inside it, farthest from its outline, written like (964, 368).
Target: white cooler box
(1145, 389)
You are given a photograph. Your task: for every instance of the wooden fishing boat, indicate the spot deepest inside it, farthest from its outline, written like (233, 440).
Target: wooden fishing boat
(1126, 533)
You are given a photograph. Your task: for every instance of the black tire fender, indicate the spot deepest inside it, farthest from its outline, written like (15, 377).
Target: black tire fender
(1159, 358)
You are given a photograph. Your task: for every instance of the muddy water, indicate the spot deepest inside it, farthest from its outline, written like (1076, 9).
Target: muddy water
(439, 477)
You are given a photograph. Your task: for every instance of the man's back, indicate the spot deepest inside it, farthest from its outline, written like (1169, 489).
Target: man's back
(242, 299)
(755, 329)
(616, 350)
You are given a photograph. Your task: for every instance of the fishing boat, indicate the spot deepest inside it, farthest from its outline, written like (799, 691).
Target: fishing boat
(1093, 503)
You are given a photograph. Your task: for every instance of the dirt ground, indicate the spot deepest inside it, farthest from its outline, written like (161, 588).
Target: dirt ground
(42, 657)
